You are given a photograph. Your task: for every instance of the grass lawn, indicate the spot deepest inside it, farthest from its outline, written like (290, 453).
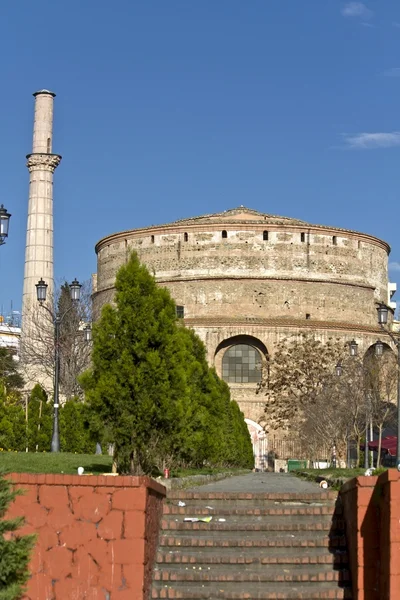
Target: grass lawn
(64, 462)
(335, 477)
(334, 473)
(47, 462)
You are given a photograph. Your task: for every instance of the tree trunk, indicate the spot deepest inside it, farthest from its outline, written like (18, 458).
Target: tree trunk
(40, 416)
(358, 438)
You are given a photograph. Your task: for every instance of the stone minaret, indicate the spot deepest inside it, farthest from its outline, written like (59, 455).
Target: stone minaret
(39, 235)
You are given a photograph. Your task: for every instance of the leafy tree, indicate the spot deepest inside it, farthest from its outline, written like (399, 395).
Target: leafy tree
(296, 375)
(15, 550)
(150, 389)
(335, 410)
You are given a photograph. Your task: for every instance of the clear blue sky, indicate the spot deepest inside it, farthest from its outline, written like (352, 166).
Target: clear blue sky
(173, 108)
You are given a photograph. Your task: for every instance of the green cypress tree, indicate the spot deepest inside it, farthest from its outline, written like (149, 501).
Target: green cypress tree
(12, 425)
(40, 420)
(15, 550)
(138, 369)
(74, 434)
(150, 390)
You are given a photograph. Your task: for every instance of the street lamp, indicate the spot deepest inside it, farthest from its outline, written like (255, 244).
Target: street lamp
(87, 333)
(339, 369)
(383, 312)
(41, 292)
(378, 348)
(353, 351)
(353, 347)
(4, 223)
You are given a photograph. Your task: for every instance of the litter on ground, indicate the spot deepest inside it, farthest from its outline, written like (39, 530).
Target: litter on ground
(196, 519)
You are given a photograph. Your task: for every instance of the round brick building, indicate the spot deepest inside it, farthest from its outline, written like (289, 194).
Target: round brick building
(243, 280)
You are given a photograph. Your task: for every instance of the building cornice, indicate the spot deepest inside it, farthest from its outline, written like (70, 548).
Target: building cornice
(285, 323)
(236, 225)
(185, 279)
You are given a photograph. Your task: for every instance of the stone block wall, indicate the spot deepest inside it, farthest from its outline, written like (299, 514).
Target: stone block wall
(246, 273)
(97, 535)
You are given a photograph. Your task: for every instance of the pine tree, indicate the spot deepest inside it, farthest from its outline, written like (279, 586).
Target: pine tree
(138, 371)
(14, 550)
(74, 434)
(150, 390)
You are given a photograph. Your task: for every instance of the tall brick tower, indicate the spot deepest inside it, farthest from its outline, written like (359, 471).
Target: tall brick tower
(41, 164)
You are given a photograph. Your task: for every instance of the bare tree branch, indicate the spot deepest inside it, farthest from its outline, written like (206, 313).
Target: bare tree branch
(38, 340)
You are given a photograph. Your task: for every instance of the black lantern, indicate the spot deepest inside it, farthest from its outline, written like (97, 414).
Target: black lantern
(339, 369)
(383, 312)
(4, 223)
(41, 291)
(378, 348)
(87, 332)
(353, 346)
(75, 288)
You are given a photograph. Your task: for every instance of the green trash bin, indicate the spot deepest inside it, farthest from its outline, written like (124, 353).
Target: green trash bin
(295, 465)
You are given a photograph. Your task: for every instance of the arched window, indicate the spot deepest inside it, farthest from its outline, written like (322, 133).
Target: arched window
(334, 240)
(185, 237)
(265, 236)
(224, 234)
(242, 364)
(152, 239)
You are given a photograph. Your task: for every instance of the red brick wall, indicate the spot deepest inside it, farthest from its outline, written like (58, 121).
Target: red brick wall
(97, 535)
(372, 514)
(389, 538)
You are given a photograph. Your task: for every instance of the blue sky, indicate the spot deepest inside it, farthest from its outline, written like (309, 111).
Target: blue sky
(169, 109)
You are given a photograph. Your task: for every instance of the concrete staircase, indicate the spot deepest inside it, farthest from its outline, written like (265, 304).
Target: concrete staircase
(257, 546)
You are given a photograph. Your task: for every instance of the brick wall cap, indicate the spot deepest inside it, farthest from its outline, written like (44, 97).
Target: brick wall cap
(362, 481)
(389, 475)
(88, 480)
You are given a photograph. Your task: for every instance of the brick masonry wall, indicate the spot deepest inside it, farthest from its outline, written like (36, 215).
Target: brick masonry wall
(97, 535)
(372, 514)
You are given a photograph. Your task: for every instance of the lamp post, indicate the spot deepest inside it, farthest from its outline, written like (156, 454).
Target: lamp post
(353, 351)
(4, 224)
(41, 292)
(383, 312)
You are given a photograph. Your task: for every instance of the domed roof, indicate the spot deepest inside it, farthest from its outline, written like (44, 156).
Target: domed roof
(240, 214)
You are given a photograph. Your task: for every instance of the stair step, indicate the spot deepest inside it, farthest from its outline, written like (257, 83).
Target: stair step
(275, 510)
(266, 546)
(257, 591)
(247, 573)
(274, 539)
(248, 497)
(253, 556)
(243, 524)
